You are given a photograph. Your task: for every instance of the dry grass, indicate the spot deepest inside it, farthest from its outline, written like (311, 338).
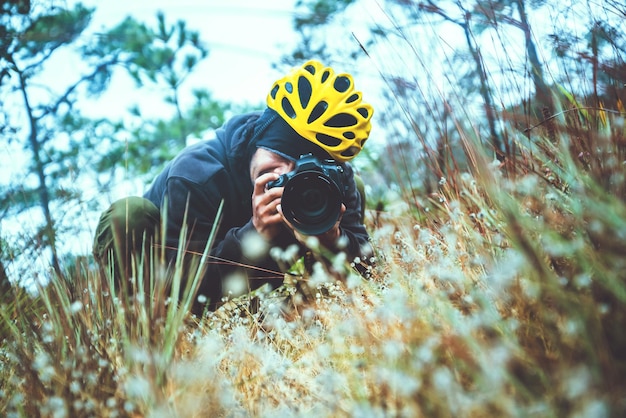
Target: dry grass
(504, 296)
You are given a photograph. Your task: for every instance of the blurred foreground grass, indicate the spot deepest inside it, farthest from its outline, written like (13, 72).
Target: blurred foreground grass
(503, 294)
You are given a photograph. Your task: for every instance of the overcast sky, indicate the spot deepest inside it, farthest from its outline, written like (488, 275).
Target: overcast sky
(244, 38)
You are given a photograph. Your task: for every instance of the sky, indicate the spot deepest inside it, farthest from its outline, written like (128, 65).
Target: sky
(244, 38)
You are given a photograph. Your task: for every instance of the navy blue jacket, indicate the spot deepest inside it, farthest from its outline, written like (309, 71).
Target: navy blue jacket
(194, 183)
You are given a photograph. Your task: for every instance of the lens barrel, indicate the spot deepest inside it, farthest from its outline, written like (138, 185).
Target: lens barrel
(311, 202)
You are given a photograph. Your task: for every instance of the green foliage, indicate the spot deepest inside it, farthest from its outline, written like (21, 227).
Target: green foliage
(165, 55)
(154, 142)
(48, 32)
(15, 7)
(310, 23)
(318, 12)
(67, 148)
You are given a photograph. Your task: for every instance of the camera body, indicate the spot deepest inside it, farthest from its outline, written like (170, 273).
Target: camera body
(313, 194)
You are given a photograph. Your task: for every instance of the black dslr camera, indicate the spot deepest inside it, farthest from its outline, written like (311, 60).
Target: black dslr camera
(314, 192)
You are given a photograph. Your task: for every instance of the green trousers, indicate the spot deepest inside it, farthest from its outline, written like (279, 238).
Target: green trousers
(129, 226)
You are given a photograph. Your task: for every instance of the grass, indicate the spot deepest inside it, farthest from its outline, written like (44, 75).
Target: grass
(504, 295)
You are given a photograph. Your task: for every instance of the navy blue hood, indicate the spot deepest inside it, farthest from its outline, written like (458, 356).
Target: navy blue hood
(276, 135)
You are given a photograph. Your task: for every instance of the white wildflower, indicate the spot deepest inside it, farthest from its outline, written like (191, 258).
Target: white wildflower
(139, 355)
(137, 387)
(74, 387)
(253, 246)
(129, 407)
(42, 365)
(91, 379)
(235, 285)
(342, 242)
(442, 379)
(111, 403)
(571, 327)
(90, 405)
(339, 261)
(353, 280)
(593, 408)
(393, 350)
(319, 275)
(467, 178)
(55, 407)
(324, 351)
(312, 242)
(288, 255)
(140, 298)
(577, 383)
(76, 307)
(78, 405)
(17, 400)
(582, 280)
(495, 366)
(356, 350)
(425, 353)
(400, 383)
(506, 270)
(47, 332)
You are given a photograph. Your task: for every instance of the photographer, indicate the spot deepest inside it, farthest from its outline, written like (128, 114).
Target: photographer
(311, 112)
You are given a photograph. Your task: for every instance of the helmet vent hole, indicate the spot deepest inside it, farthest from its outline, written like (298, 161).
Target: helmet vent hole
(310, 69)
(349, 135)
(341, 120)
(325, 76)
(288, 108)
(289, 87)
(363, 112)
(352, 98)
(274, 91)
(329, 141)
(342, 84)
(317, 111)
(350, 152)
(304, 91)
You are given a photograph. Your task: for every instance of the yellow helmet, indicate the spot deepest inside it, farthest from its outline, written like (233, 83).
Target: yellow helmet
(323, 108)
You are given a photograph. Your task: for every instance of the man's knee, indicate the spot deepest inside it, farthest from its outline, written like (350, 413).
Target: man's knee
(124, 226)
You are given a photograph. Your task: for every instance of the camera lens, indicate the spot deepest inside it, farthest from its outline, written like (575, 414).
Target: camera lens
(311, 202)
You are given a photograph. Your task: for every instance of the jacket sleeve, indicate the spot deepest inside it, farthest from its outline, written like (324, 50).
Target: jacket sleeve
(197, 208)
(354, 240)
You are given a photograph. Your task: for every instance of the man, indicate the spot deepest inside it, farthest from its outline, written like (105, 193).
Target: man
(313, 111)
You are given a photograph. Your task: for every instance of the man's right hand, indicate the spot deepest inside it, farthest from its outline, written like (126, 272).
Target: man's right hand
(265, 216)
